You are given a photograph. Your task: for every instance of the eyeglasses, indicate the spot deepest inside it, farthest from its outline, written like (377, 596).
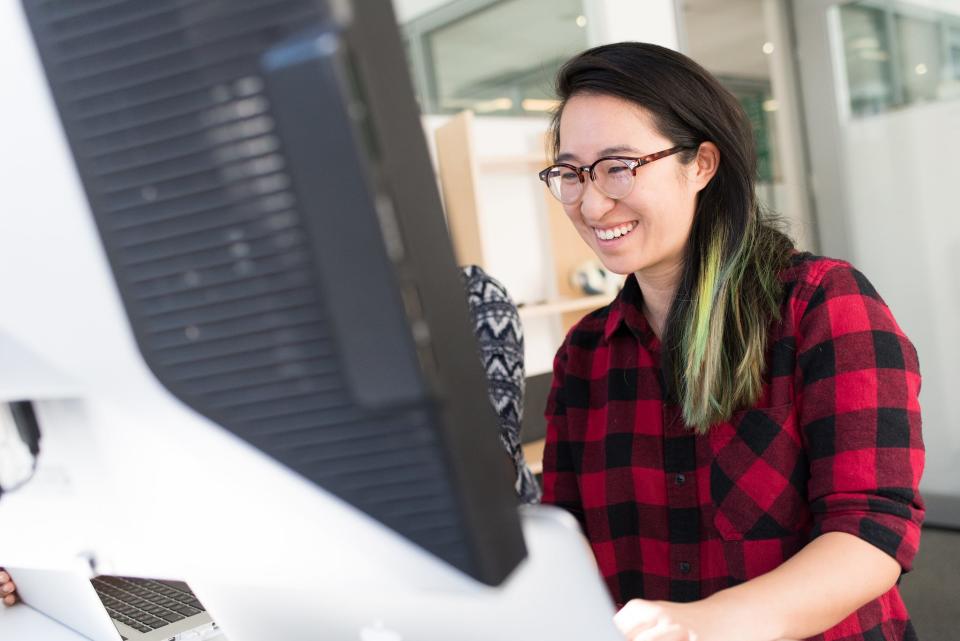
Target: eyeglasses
(613, 175)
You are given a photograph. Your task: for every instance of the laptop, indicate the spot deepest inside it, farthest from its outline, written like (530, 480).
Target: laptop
(112, 608)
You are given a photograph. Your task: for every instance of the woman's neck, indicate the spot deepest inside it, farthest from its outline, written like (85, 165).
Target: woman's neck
(658, 288)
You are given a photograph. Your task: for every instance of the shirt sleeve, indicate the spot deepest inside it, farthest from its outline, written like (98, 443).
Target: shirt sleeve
(499, 333)
(860, 416)
(559, 473)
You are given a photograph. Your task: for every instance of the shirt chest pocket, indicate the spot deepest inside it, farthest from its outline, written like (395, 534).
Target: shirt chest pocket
(758, 475)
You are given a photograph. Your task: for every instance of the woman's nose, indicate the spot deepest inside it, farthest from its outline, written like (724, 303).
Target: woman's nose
(594, 204)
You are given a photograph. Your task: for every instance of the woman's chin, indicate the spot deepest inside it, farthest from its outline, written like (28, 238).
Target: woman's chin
(620, 266)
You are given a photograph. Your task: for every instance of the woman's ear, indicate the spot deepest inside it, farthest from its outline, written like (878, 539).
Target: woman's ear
(704, 166)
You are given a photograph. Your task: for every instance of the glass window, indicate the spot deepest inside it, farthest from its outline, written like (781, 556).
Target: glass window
(919, 60)
(953, 46)
(732, 42)
(952, 84)
(869, 60)
(756, 98)
(900, 53)
(500, 59)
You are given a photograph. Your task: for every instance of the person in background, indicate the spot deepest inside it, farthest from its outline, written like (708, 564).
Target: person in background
(496, 324)
(738, 432)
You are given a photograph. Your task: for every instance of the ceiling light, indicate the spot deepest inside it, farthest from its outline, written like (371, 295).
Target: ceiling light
(873, 54)
(865, 43)
(767, 48)
(497, 104)
(921, 69)
(535, 104)
(770, 105)
(581, 21)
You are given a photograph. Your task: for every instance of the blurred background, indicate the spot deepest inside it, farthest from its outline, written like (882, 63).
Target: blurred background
(855, 107)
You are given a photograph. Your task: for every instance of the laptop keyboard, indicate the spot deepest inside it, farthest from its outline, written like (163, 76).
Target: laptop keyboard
(144, 604)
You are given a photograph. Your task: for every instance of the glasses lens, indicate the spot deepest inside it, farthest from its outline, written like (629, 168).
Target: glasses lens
(614, 177)
(564, 184)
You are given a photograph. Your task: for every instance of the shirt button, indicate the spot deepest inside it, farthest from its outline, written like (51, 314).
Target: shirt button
(684, 567)
(680, 479)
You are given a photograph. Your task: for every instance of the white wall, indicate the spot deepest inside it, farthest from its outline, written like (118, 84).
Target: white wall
(642, 20)
(901, 176)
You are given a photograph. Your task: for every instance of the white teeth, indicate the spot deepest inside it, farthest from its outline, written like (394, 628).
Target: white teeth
(616, 232)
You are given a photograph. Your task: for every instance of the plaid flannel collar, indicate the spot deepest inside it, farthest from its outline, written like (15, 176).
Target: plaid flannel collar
(627, 310)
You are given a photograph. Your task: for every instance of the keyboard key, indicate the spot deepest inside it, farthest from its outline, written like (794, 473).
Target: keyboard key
(153, 622)
(186, 610)
(170, 617)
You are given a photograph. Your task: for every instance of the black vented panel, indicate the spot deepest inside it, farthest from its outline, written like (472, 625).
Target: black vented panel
(168, 119)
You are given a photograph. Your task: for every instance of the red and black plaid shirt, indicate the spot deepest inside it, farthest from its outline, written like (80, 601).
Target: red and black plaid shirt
(833, 445)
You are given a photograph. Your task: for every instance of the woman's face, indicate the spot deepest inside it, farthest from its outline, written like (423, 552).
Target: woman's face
(658, 211)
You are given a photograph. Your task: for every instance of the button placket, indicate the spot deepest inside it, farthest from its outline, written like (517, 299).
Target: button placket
(680, 464)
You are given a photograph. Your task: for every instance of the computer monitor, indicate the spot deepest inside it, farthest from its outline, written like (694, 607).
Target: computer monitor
(261, 185)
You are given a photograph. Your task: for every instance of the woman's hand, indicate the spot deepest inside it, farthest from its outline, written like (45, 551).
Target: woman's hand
(7, 588)
(641, 620)
(704, 620)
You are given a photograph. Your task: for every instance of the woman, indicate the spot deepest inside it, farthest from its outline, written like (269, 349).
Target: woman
(738, 433)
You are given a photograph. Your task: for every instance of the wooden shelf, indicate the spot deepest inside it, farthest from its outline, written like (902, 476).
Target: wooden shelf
(564, 305)
(533, 453)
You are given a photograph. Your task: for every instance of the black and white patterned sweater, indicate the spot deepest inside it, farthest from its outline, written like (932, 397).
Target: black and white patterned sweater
(499, 333)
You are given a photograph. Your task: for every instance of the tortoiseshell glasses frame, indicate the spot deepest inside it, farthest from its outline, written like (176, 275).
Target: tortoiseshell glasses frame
(614, 179)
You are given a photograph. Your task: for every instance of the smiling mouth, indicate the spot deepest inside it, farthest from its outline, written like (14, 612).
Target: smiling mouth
(615, 232)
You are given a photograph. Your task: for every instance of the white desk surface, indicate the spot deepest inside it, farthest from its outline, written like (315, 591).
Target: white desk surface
(23, 623)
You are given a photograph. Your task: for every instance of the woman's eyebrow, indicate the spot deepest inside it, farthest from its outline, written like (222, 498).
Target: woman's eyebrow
(609, 151)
